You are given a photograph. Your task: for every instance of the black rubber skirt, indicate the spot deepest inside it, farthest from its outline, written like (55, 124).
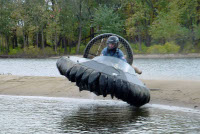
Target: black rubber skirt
(101, 83)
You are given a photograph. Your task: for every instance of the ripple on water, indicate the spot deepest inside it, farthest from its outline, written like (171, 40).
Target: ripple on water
(61, 115)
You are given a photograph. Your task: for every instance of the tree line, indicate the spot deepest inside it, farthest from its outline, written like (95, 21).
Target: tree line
(65, 26)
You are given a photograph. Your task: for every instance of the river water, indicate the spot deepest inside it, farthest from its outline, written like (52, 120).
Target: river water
(19, 114)
(61, 115)
(187, 68)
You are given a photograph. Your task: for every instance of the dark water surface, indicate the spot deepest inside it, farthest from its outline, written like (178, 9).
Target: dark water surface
(187, 68)
(61, 115)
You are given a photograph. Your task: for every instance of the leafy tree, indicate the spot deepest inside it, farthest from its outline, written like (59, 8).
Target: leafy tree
(67, 23)
(80, 12)
(62, 24)
(5, 23)
(106, 21)
(140, 17)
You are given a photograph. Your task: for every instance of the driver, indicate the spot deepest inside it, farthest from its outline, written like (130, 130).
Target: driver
(113, 50)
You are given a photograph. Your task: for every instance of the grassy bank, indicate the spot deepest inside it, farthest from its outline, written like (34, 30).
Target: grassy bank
(34, 52)
(168, 50)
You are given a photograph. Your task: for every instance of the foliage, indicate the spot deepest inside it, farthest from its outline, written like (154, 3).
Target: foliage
(15, 51)
(73, 51)
(82, 48)
(136, 49)
(156, 49)
(48, 51)
(135, 25)
(31, 51)
(46, 27)
(197, 31)
(107, 20)
(60, 50)
(188, 48)
(169, 47)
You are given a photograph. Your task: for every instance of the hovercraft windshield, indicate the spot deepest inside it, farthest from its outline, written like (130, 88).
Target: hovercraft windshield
(116, 63)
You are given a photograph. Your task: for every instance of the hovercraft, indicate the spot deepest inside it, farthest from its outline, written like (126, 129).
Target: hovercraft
(105, 75)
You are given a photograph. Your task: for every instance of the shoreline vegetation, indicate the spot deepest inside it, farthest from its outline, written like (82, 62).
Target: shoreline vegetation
(136, 56)
(40, 28)
(183, 93)
(168, 50)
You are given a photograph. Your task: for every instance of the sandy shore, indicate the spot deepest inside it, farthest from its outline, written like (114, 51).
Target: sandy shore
(169, 92)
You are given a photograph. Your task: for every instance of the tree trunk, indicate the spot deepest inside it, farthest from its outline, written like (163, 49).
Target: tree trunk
(13, 43)
(24, 36)
(45, 40)
(7, 44)
(79, 40)
(0, 43)
(53, 4)
(70, 47)
(198, 10)
(60, 41)
(42, 40)
(147, 36)
(52, 40)
(55, 42)
(140, 42)
(15, 40)
(91, 33)
(163, 40)
(80, 28)
(27, 40)
(37, 38)
(65, 45)
(193, 34)
(148, 40)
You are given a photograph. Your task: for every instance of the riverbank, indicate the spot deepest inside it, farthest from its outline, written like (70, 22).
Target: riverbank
(163, 56)
(169, 92)
(136, 56)
(154, 56)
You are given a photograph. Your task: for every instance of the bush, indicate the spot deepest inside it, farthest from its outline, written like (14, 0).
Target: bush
(171, 47)
(198, 47)
(16, 51)
(13, 52)
(188, 48)
(48, 51)
(167, 48)
(1, 52)
(136, 50)
(31, 51)
(156, 49)
(60, 50)
(82, 48)
(73, 50)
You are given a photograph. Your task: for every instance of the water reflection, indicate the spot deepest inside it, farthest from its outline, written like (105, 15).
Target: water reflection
(61, 115)
(105, 119)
